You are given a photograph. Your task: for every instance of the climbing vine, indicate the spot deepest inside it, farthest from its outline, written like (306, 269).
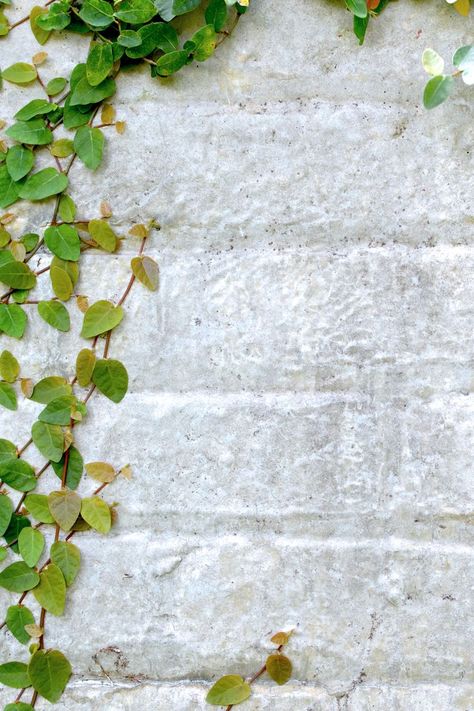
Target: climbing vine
(68, 124)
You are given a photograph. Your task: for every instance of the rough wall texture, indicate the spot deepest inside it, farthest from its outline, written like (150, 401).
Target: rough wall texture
(301, 413)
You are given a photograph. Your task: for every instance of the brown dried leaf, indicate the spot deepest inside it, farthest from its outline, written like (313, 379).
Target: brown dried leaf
(126, 471)
(139, 231)
(105, 209)
(108, 114)
(82, 303)
(39, 58)
(27, 387)
(120, 126)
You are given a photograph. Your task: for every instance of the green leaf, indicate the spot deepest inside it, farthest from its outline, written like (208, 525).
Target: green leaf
(103, 234)
(8, 188)
(85, 363)
(279, 668)
(216, 14)
(50, 388)
(19, 161)
(437, 90)
(9, 367)
(101, 317)
(8, 396)
(33, 132)
(97, 13)
(37, 506)
(43, 184)
(75, 116)
(51, 591)
(62, 148)
(146, 271)
(36, 107)
(205, 43)
(68, 559)
(15, 674)
(360, 27)
(6, 510)
(56, 86)
(75, 467)
(49, 673)
(89, 146)
(135, 12)
(18, 706)
(67, 208)
(58, 411)
(84, 93)
(100, 62)
(18, 474)
(129, 38)
(171, 62)
(180, 7)
(156, 35)
(20, 73)
(57, 18)
(111, 378)
(61, 282)
(49, 439)
(17, 275)
(96, 513)
(31, 545)
(30, 240)
(18, 577)
(40, 35)
(12, 320)
(65, 507)
(17, 523)
(463, 59)
(17, 617)
(357, 7)
(7, 450)
(230, 689)
(56, 314)
(63, 241)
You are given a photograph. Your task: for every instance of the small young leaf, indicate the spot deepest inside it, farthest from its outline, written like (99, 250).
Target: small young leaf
(56, 86)
(279, 668)
(146, 271)
(31, 545)
(101, 317)
(65, 507)
(51, 591)
(49, 439)
(56, 314)
(18, 577)
(15, 675)
(17, 617)
(432, 63)
(62, 148)
(37, 506)
(229, 689)
(49, 673)
(96, 513)
(9, 367)
(111, 378)
(68, 559)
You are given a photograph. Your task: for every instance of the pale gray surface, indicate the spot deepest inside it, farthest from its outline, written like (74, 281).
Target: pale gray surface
(300, 419)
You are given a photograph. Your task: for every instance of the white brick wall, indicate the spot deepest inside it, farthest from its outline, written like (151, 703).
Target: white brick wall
(300, 419)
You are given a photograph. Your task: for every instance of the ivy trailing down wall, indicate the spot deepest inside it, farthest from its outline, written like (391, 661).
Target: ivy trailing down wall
(41, 143)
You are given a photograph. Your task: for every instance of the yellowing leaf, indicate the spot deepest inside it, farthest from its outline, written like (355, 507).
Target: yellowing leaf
(146, 271)
(96, 513)
(85, 364)
(126, 471)
(120, 127)
(39, 58)
(107, 114)
(34, 631)
(101, 317)
(279, 668)
(281, 638)
(229, 689)
(9, 367)
(82, 303)
(101, 471)
(463, 7)
(139, 231)
(65, 507)
(103, 234)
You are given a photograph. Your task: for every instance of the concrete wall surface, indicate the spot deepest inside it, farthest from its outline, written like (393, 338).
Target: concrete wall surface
(301, 412)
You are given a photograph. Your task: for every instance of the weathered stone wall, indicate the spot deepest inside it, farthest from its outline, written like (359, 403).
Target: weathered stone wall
(301, 416)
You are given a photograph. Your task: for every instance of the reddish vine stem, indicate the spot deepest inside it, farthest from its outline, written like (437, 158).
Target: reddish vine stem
(257, 674)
